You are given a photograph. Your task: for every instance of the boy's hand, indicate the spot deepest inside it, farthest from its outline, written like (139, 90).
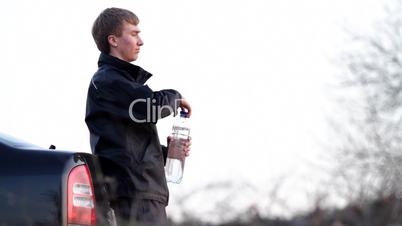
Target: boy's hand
(187, 147)
(184, 105)
(186, 144)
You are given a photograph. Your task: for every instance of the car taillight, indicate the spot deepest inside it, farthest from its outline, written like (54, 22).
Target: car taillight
(80, 197)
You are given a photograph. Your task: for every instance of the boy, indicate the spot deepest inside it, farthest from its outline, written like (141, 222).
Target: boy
(121, 115)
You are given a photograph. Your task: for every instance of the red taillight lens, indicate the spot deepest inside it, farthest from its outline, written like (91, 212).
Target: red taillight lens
(80, 197)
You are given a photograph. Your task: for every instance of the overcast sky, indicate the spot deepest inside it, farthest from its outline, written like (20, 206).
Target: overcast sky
(256, 73)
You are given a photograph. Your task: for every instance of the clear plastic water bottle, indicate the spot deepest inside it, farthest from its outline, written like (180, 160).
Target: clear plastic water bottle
(175, 160)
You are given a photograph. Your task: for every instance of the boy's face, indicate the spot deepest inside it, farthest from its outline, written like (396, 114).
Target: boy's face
(127, 45)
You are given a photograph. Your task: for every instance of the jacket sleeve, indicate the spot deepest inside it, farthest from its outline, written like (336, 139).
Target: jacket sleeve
(134, 101)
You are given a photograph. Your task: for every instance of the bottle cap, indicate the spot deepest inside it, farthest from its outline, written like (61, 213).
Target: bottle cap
(183, 114)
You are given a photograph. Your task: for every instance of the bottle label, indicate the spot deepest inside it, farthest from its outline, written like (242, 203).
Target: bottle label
(180, 128)
(181, 132)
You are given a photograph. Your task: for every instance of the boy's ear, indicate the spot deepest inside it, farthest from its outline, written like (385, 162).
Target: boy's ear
(112, 40)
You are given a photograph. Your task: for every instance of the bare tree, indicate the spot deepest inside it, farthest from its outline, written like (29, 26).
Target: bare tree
(370, 152)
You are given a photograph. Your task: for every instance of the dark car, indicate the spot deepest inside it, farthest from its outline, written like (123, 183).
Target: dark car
(49, 187)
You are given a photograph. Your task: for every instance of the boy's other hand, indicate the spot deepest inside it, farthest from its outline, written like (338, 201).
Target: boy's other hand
(184, 105)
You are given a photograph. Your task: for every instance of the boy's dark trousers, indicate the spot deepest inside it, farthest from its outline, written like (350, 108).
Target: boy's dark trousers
(139, 212)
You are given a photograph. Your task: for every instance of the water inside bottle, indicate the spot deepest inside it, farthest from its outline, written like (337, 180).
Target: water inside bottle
(174, 170)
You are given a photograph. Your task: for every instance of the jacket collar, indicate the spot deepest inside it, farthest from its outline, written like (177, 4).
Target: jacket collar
(137, 73)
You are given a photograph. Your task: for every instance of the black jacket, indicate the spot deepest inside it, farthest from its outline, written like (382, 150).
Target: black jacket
(123, 133)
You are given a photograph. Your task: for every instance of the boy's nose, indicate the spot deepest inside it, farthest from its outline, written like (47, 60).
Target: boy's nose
(140, 42)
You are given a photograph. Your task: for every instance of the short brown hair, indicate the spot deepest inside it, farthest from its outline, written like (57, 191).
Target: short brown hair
(110, 22)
